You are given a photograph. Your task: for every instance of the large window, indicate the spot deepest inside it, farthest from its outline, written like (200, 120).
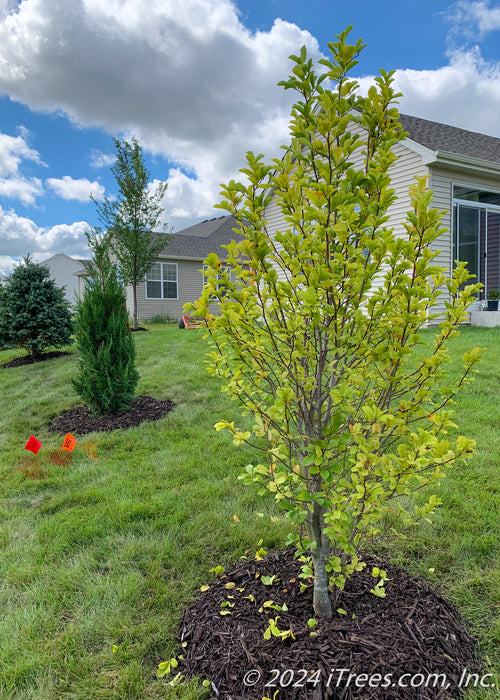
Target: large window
(161, 281)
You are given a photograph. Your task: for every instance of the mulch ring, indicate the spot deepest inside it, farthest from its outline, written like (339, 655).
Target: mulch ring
(385, 645)
(79, 420)
(28, 360)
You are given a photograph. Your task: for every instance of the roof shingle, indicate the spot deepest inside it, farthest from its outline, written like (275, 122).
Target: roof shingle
(201, 239)
(442, 137)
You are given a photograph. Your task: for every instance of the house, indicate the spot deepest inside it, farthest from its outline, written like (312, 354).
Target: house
(176, 277)
(463, 168)
(67, 272)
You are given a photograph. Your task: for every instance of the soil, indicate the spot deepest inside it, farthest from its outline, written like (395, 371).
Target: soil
(79, 420)
(413, 630)
(28, 360)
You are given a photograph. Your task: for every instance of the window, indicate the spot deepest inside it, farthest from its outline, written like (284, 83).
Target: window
(161, 281)
(221, 285)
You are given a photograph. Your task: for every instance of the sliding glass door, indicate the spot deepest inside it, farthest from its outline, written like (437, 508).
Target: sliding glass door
(492, 277)
(476, 235)
(468, 238)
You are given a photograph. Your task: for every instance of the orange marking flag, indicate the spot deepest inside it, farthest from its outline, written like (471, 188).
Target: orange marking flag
(33, 445)
(69, 443)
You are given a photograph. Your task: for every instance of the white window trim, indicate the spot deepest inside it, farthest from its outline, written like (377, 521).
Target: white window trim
(162, 298)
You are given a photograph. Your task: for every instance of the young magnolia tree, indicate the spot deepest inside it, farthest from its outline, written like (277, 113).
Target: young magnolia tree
(317, 336)
(133, 217)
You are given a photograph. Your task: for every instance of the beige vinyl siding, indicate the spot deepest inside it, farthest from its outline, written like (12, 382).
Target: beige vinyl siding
(275, 222)
(189, 287)
(408, 166)
(441, 185)
(274, 218)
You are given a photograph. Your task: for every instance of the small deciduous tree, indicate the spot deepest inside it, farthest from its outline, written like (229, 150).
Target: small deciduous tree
(34, 312)
(107, 375)
(318, 332)
(133, 217)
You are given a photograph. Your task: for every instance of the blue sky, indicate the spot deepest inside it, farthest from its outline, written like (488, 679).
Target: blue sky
(195, 82)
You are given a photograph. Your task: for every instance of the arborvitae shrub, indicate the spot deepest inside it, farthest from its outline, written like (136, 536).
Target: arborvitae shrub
(34, 313)
(107, 375)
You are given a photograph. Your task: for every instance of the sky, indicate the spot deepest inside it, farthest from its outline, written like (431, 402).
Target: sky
(195, 81)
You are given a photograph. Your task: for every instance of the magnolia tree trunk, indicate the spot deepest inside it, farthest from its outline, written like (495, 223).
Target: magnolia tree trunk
(321, 597)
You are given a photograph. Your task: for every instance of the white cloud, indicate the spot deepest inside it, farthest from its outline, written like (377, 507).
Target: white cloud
(464, 93)
(188, 79)
(80, 189)
(6, 265)
(98, 159)
(20, 236)
(13, 150)
(24, 189)
(470, 18)
(184, 70)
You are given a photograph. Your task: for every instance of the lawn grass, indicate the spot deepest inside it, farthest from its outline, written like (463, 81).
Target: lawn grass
(100, 557)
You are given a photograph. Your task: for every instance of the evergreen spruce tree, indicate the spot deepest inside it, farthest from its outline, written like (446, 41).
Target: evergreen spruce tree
(34, 313)
(107, 375)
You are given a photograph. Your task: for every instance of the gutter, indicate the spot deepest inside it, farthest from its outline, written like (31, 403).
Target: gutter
(478, 165)
(449, 159)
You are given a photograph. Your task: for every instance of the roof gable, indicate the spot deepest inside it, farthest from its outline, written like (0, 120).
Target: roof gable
(62, 256)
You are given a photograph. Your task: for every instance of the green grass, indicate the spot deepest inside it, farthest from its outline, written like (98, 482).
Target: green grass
(108, 552)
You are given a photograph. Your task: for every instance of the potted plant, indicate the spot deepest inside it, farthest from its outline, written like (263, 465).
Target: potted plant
(493, 296)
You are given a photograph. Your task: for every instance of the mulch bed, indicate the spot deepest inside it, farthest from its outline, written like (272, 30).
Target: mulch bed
(411, 631)
(79, 420)
(28, 360)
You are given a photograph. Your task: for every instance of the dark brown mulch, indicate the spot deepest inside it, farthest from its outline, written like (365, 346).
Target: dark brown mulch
(411, 631)
(79, 420)
(28, 360)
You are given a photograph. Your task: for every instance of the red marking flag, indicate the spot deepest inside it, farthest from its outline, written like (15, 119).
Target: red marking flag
(69, 443)
(33, 445)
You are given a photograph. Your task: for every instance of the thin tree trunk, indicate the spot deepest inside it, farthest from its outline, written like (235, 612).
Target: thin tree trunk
(321, 597)
(135, 305)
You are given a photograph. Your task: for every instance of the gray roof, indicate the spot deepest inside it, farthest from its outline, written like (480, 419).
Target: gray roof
(201, 239)
(442, 137)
